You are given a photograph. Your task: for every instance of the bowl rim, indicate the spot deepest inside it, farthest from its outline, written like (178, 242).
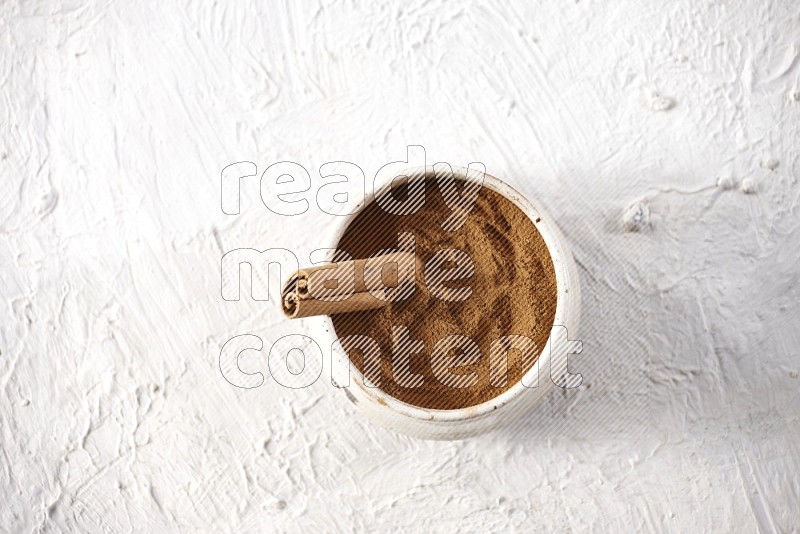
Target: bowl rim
(560, 257)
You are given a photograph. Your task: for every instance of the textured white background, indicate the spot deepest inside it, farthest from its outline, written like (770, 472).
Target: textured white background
(116, 120)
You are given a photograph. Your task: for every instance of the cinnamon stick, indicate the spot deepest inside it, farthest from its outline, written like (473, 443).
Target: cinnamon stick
(350, 286)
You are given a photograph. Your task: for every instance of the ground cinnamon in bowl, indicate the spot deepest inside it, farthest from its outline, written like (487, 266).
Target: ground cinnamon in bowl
(513, 292)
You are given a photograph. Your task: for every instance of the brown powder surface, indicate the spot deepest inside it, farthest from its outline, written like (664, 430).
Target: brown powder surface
(513, 292)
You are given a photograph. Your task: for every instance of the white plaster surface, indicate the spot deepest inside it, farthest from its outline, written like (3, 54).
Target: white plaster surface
(117, 119)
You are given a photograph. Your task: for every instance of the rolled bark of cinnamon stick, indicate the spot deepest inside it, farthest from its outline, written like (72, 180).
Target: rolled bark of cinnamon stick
(350, 286)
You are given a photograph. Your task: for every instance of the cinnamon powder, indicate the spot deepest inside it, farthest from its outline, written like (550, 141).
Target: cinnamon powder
(513, 292)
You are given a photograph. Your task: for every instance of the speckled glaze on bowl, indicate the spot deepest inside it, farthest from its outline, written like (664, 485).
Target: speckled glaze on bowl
(501, 410)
